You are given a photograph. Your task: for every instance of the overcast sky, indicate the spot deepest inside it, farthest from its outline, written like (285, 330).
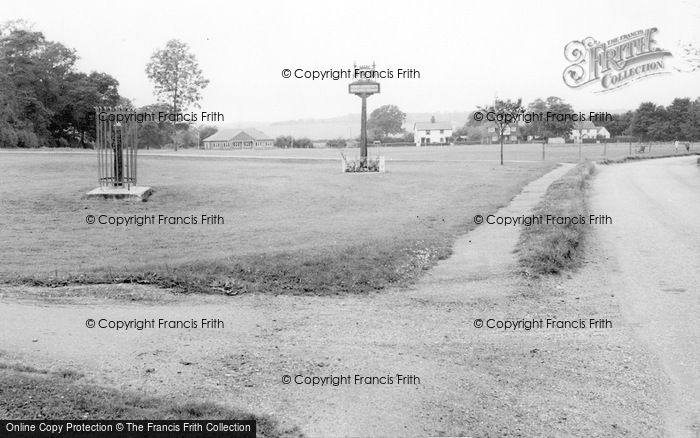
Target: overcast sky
(466, 52)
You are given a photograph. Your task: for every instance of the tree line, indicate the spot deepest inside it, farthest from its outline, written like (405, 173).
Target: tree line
(649, 122)
(46, 102)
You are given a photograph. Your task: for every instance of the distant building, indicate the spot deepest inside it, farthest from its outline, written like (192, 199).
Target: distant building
(587, 130)
(510, 134)
(239, 139)
(427, 133)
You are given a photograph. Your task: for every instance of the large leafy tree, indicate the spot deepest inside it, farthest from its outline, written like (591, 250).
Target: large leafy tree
(34, 69)
(692, 129)
(82, 94)
(661, 128)
(680, 122)
(644, 117)
(385, 120)
(177, 77)
(620, 124)
(155, 133)
(43, 100)
(552, 127)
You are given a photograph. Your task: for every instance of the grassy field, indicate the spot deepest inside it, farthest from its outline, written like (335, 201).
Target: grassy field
(289, 226)
(512, 152)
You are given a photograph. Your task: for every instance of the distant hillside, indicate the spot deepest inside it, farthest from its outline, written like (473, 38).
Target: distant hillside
(346, 126)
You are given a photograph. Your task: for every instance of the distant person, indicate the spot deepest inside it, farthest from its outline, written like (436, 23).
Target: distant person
(676, 145)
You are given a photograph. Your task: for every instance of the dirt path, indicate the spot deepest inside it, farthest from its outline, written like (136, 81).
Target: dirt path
(472, 382)
(655, 248)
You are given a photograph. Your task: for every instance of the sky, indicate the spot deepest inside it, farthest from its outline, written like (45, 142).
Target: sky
(466, 52)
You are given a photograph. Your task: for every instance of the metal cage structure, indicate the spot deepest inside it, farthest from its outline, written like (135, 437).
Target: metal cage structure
(116, 144)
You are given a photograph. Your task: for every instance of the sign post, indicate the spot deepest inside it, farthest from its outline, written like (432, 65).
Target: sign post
(364, 88)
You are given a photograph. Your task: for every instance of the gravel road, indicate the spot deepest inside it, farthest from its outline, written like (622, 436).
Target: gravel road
(654, 245)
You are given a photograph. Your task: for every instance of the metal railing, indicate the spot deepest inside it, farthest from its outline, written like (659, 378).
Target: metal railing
(116, 144)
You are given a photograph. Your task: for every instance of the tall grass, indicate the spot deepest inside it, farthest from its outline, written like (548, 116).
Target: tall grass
(552, 248)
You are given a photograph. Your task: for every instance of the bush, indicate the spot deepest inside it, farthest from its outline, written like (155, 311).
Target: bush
(352, 166)
(27, 139)
(296, 143)
(337, 143)
(8, 137)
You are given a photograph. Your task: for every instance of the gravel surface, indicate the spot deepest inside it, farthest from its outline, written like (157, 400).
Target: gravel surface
(654, 244)
(473, 381)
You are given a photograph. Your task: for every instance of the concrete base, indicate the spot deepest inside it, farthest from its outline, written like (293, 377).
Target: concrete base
(134, 193)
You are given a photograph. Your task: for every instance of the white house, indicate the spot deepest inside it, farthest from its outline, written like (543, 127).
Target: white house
(238, 139)
(427, 133)
(587, 130)
(510, 134)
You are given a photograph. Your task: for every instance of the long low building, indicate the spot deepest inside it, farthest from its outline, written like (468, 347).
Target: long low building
(239, 139)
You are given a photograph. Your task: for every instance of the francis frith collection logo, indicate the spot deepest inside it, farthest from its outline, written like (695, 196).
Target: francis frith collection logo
(614, 63)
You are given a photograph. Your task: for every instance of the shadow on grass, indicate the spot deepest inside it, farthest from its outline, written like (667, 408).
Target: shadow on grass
(30, 394)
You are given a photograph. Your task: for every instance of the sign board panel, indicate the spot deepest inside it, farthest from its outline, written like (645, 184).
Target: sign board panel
(365, 87)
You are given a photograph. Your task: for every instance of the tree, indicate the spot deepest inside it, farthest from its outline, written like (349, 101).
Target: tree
(35, 70)
(507, 113)
(43, 100)
(155, 133)
(184, 138)
(291, 142)
(643, 118)
(548, 128)
(652, 122)
(84, 93)
(177, 77)
(692, 132)
(206, 131)
(680, 120)
(283, 142)
(337, 143)
(619, 125)
(385, 120)
(303, 143)
(661, 128)
(554, 127)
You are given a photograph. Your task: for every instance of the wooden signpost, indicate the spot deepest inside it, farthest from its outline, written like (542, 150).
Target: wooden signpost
(364, 88)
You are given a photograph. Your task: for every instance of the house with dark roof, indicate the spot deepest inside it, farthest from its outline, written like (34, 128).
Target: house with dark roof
(249, 138)
(587, 130)
(427, 133)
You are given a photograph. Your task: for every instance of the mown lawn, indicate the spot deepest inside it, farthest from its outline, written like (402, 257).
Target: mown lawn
(289, 227)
